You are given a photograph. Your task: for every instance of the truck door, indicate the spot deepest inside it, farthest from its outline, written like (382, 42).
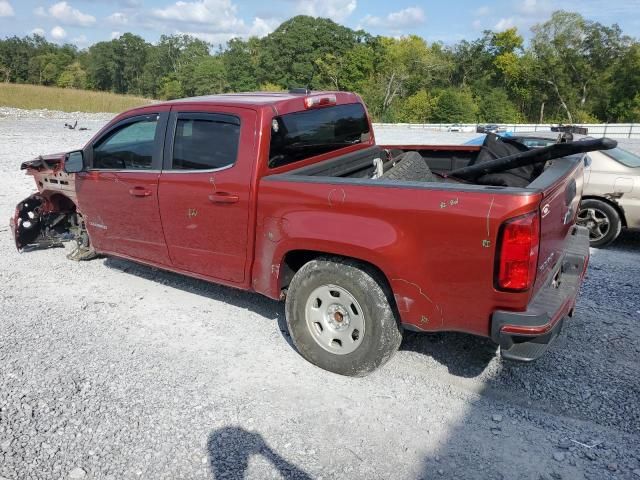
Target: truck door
(118, 192)
(205, 188)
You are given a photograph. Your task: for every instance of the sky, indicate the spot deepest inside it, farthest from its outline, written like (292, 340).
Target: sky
(84, 22)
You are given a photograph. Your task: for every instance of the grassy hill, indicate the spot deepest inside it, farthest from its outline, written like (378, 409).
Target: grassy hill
(66, 99)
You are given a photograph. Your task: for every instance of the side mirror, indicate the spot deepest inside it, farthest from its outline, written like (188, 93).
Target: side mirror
(587, 161)
(74, 162)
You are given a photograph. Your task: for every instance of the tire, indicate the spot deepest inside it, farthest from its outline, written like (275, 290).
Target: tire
(602, 220)
(340, 317)
(412, 167)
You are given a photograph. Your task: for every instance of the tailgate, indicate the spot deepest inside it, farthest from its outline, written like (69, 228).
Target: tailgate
(558, 210)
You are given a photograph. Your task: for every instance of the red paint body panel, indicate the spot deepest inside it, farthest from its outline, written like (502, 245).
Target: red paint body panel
(436, 246)
(118, 221)
(557, 217)
(120, 207)
(433, 257)
(205, 215)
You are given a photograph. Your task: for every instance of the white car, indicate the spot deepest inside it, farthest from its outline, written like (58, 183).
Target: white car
(611, 194)
(456, 127)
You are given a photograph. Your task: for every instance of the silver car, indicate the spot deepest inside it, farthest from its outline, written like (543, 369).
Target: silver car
(611, 194)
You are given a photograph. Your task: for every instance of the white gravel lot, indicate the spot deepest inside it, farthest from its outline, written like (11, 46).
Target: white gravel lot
(111, 370)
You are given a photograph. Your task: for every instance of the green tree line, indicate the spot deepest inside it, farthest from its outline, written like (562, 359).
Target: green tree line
(571, 70)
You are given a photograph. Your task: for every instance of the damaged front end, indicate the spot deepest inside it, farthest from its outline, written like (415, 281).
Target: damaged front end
(49, 218)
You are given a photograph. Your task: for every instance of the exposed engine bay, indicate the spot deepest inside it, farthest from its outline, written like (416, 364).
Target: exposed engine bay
(49, 218)
(49, 223)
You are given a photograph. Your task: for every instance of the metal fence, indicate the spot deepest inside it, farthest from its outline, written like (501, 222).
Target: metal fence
(613, 130)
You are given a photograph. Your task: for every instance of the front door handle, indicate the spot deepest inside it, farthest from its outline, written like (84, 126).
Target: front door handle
(139, 192)
(223, 197)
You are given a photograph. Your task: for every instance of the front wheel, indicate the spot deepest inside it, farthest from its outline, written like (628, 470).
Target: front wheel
(340, 317)
(602, 221)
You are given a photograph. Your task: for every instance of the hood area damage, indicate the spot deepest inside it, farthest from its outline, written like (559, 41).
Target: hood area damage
(49, 218)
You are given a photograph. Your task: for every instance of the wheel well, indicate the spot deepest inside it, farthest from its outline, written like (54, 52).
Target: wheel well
(295, 259)
(62, 203)
(609, 202)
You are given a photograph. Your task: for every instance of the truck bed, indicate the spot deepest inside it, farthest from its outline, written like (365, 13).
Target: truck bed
(435, 241)
(358, 168)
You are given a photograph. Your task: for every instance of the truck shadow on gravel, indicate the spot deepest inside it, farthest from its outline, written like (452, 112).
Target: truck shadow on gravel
(230, 449)
(254, 302)
(463, 355)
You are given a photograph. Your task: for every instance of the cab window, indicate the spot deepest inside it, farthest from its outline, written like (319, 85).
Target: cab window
(301, 135)
(129, 147)
(205, 141)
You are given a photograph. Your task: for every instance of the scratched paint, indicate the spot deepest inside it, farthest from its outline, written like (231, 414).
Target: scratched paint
(336, 196)
(407, 302)
(449, 203)
(486, 242)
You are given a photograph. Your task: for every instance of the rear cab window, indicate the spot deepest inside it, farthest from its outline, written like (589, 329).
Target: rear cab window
(205, 141)
(301, 135)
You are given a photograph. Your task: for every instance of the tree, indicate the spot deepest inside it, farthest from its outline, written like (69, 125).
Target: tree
(14, 58)
(402, 67)
(624, 90)
(507, 41)
(472, 61)
(270, 87)
(417, 108)
(170, 87)
(173, 55)
(102, 66)
(74, 76)
(454, 106)
(288, 54)
(132, 52)
(350, 71)
(205, 76)
(241, 63)
(574, 55)
(573, 69)
(194, 65)
(495, 106)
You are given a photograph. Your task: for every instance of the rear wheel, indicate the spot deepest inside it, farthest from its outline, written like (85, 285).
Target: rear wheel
(602, 221)
(340, 317)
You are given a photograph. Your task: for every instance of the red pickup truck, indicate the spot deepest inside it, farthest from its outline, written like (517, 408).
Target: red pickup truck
(288, 195)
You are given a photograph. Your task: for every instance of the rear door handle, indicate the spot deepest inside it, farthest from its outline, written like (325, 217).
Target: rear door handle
(223, 197)
(139, 192)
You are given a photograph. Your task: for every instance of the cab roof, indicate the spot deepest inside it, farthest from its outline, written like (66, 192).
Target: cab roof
(282, 102)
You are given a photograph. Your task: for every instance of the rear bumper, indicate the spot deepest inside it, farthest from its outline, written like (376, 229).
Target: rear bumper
(526, 336)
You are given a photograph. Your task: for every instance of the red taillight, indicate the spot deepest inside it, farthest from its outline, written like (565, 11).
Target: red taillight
(518, 253)
(319, 101)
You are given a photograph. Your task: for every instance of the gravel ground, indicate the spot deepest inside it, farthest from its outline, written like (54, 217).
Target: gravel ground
(111, 370)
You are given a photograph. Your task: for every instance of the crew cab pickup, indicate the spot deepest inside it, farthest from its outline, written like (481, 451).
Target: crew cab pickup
(288, 195)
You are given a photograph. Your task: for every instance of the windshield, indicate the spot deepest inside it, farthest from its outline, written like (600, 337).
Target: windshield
(623, 156)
